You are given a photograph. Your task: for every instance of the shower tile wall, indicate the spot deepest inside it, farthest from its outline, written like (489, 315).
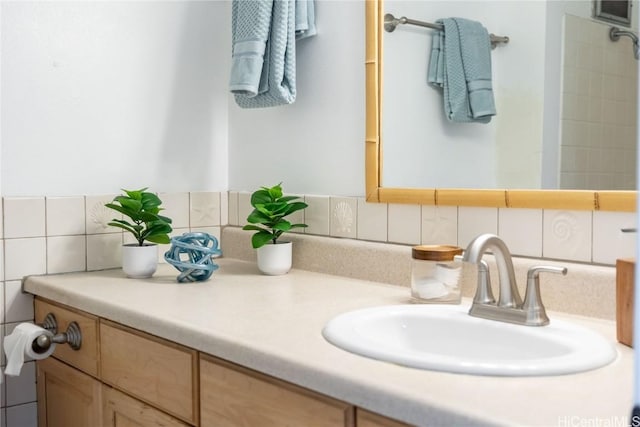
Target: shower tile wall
(598, 118)
(64, 234)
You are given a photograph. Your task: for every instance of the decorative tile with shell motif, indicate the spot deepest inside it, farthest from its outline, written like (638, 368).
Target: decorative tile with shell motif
(567, 235)
(98, 215)
(343, 217)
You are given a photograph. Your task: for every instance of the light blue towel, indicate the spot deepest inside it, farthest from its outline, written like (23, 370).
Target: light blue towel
(263, 70)
(460, 64)
(305, 19)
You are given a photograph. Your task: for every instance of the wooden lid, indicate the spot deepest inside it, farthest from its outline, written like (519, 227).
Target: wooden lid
(435, 252)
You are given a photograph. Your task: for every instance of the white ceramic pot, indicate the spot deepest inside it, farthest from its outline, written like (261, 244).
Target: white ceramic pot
(139, 262)
(275, 260)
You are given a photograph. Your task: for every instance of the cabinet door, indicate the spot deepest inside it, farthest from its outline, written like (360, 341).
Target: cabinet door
(369, 419)
(232, 396)
(66, 396)
(121, 410)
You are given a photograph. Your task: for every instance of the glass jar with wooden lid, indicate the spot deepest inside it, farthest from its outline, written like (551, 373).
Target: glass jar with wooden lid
(435, 274)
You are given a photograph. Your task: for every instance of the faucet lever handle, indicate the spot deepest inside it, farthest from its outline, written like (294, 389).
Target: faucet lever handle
(535, 271)
(532, 305)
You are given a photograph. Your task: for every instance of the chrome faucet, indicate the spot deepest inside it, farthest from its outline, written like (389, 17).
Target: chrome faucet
(509, 307)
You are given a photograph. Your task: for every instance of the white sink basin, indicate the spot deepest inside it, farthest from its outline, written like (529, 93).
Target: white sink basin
(446, 338)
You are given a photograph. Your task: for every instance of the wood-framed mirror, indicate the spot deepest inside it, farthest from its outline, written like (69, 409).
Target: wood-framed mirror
(501, 198)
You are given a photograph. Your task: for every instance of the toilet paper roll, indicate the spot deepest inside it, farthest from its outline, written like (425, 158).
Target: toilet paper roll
(18, 345)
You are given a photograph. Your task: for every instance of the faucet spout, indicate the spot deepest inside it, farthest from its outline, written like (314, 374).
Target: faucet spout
(509, 296)
(509, 307)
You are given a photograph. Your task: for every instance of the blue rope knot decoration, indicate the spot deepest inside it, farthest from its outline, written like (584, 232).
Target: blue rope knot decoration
(192, 254)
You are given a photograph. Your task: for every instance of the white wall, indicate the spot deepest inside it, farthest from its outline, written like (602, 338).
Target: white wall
(97, 96)
(316, 145)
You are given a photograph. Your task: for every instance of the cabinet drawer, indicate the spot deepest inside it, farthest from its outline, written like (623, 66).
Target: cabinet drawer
(233, 397)
(85, 359)
(153, 370)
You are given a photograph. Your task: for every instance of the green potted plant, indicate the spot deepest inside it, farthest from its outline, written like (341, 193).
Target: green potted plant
(270, 207)
(148, 227)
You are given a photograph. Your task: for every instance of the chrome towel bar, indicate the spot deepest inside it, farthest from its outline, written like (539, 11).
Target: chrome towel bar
(391, 22)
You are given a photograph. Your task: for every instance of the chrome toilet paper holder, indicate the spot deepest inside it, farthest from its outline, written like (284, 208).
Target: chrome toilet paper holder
(72, 336)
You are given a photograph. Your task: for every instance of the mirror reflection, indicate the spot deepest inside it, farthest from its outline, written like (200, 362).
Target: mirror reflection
(565, 97)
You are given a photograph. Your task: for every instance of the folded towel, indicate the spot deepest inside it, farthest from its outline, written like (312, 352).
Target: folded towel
(264, 56)
(305, 19)
(460, 64)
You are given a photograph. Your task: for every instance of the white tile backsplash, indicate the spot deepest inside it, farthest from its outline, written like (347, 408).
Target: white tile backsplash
(439, 225)
(404, 224)
(104, 251)
(233, 208)
(176, 207)
(205, 209)
(22, 389)
(567, 235)
(24, 256)
(24, 217)
(372, 221)
(521, 230)
(65, 216)
(66, 254)
(18, 305)
(609, 242)
(474, 221)
(224, 208)
(316, 215)
(22, 415)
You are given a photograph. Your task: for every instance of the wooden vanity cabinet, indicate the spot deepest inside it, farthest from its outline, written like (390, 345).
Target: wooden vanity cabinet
(119, 377)
(122, 377)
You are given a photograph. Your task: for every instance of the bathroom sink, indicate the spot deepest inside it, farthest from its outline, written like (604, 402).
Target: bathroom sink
(446, 338)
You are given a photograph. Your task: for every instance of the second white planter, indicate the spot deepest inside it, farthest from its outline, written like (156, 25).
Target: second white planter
(139, 262)
(275, 259)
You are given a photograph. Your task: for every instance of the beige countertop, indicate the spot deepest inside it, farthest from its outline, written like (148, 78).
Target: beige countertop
(274, 324)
